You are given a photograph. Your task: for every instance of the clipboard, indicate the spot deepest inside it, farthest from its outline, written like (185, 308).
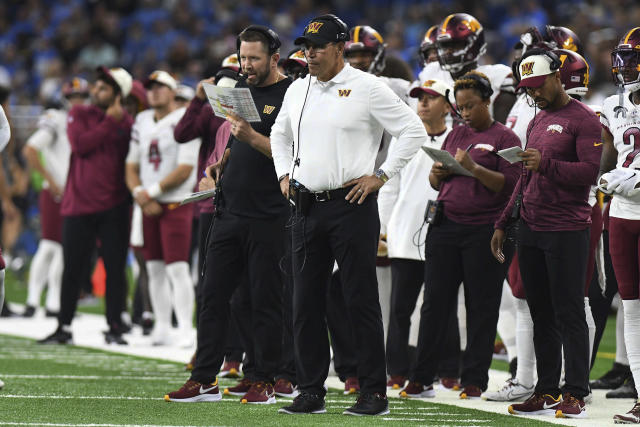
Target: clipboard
(444, 157)
(199, 195)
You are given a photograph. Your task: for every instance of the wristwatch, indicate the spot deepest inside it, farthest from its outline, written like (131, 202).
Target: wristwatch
(382, 175)
(282, 177)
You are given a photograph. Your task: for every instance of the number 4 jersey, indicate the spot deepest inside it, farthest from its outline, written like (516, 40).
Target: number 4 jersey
(157, 153)
(626, 139)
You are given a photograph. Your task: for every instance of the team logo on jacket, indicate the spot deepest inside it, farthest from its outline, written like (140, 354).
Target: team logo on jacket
(484, 147)
(268, 109)
(526, 69)
(344, 92)
(554, 128)
(314, 27)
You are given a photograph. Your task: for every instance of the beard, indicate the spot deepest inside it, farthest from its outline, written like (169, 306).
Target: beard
(259, 76)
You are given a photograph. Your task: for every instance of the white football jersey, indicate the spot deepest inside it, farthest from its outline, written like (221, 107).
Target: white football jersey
(626, 139)
(499, 75)
(157, 153)
(50, 139)
(399, 86)
(519, 118)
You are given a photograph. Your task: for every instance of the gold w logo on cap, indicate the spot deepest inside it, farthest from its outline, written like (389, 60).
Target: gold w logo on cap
(268, 109)
(526, 69)
(344, 92)
(314, 27)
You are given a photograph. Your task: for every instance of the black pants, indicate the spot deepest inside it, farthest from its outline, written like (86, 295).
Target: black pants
(345, 354)
(458, 253)
(407, 277)
(234, 349)
(287, 369)
(79, 236)
(237, 244)
(553, 267)
(347, 233)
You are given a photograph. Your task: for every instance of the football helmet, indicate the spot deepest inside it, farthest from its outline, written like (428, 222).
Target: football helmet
(429, 44)
(460, 41)
(574, 72)
(76, 86)
(231, 62)
(365, 38)
(564, 38)
(625, 61)
(295, 66)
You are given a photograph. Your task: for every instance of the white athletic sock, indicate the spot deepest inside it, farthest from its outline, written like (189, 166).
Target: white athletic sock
(1, 288)
(621, 348)
(462, 318)
(507, 321)
(183, 294)
(524, 344)
(54, 280)
(159, 294)
(632, 336)
(38, 271)
(591, 324)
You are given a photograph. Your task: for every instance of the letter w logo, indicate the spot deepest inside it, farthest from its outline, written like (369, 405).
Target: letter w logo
(344, 92)
(268, 109)
(526, 69)
(314, 27)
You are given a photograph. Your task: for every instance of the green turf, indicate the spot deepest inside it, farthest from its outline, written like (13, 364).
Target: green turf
(75, 385)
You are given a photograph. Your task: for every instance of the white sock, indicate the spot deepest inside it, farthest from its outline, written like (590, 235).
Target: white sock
(38, 271)
(54, 280)
(524, 344)
(462, 318)
(632, 336)
(621, 348)
(507, 321)
(159, 294)
(183, 293)
(1, 288)
(591, 324)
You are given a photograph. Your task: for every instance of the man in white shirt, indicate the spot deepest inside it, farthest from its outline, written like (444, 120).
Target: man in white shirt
(47, 151)
(335, 116)
(402, 203)
(160, 173)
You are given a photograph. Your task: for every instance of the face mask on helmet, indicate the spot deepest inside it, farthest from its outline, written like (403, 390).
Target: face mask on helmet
(365, 40)
(625, 65)
(460, 42)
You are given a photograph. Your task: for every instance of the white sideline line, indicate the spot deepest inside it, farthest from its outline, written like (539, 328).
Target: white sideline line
(53, 396)
(92, 377)
(13, 423)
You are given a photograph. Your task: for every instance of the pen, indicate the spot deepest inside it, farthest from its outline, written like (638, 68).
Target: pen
(469, 147)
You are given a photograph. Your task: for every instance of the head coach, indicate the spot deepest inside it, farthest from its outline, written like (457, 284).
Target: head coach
(561, 162)
(335, 117)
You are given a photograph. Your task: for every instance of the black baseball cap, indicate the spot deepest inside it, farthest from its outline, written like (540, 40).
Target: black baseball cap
(320, 31)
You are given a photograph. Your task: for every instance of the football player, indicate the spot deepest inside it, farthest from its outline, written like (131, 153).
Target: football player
(160, 173)
(50, 143)
(295, 66)
(619, 165)
(5, 135)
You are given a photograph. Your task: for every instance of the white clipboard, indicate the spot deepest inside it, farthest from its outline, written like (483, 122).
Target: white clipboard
(444, 157)
(225, 100)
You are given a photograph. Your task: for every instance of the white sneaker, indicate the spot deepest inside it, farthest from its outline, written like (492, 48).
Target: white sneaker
(1, 384)
(511, 391)
(160, 337)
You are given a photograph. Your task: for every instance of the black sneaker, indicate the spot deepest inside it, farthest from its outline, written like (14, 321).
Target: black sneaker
(613, 379)
(49, 313)
(58, 337)
(625, 391)
(29, 311)
(369, 404)
(305, 403)
(114, 337)
(6, 312)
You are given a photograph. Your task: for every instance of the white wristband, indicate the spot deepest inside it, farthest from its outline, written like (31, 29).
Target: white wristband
(137, 190)
(154, 191)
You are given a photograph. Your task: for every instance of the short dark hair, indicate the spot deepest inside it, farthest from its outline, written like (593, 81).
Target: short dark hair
(257, 36)
(474, 80)
(108, 80)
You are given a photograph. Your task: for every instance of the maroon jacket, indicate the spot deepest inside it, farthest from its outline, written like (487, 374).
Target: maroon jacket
(556, 197)
(467, 200)
(199, 121)
(99, 146)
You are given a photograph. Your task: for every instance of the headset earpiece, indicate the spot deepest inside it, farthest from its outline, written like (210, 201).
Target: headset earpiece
(272, 37)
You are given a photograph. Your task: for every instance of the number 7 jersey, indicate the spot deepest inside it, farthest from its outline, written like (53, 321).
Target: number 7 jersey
(626, 139)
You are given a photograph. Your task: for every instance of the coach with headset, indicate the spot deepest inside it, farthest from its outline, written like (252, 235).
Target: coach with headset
(561, 162)
(335, 117)
(247, 233)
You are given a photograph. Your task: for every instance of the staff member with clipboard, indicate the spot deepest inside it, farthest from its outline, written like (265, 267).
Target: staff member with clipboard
(457, 246)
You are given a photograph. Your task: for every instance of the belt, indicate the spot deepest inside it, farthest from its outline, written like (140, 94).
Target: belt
(325, 196)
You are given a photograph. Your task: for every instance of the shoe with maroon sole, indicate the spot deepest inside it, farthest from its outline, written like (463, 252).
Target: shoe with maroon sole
(537, 404)
(284, 388)
(351, 385)
(260, 393)
(571, 407)
(193, 391)
(471, 392)
(396, 382)
(417, 390)
(239, 389)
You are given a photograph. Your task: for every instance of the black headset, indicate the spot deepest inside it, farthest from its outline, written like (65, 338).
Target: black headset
(343, 29)
(485, 85)
(272, 37)
(554, 61)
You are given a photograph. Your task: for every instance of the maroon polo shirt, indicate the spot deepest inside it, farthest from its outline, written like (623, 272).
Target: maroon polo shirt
(555, 198)
(99, 146)
(466, 200)
(199, 121)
